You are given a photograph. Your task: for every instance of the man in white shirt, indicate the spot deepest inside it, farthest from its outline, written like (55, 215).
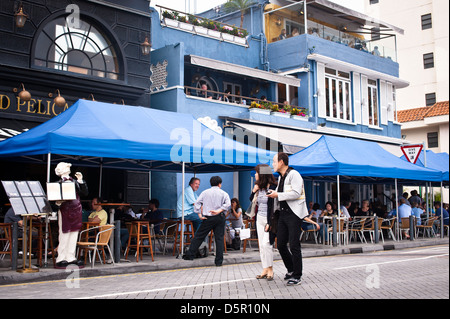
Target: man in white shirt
(210, 206)
(291, 203)
(344, 208)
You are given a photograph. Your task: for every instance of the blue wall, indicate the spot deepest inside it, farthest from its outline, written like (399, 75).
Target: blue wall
(206, 47)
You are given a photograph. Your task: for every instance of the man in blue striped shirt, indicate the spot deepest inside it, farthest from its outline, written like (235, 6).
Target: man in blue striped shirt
(210, 206)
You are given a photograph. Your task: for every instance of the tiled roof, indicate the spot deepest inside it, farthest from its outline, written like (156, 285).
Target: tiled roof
(418, 114)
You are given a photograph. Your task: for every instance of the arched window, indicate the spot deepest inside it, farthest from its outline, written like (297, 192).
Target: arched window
(85, 50)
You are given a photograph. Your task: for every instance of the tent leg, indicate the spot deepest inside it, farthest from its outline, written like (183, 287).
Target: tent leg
(182, 207)
(396, 209)
(49, 161)
(442, 209)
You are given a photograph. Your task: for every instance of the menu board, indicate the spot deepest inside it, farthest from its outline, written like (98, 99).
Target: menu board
(27, 197)
(61, 191)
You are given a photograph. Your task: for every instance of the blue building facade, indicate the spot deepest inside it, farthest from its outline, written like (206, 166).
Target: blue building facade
(338, 76)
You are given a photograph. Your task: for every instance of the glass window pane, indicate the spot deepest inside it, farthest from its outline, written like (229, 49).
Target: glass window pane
(83, 50)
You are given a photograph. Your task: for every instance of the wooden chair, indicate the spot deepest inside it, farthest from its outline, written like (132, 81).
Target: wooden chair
(357, 226)
(389, 227)
(101, 241)
(188, 235)
(427, 226)
(5, 240)
(371, 229)
(139, 231)
(404, 227)
(308, 232)
(91, 234)
(253, 237)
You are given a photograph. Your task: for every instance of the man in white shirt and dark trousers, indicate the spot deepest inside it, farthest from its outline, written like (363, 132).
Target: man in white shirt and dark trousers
(290, 201)
(211, 206)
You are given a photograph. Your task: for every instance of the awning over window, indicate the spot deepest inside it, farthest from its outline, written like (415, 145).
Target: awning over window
(242, 70)
(294, 140)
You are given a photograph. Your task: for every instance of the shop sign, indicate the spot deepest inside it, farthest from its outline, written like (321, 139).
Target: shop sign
(41, 107)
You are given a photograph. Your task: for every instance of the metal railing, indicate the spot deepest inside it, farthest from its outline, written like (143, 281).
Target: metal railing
(238, 99)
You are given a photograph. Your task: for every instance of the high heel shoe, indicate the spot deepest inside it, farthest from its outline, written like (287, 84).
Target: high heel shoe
(261, 276)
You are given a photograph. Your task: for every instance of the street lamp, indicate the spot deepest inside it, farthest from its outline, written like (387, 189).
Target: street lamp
(146, 47)
(20, 17)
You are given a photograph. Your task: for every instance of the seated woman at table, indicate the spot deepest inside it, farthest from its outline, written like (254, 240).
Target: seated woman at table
(329, 211)
(365, 209)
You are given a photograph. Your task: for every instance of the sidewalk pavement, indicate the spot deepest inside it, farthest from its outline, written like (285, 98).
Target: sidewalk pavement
(168, 262)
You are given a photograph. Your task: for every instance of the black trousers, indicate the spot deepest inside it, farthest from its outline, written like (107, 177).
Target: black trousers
(289, 229)
(215, 223)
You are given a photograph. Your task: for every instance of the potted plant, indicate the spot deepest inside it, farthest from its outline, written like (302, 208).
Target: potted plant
(184, 23)
(280, 111)
(258, 108)
(214, 29)
(170, 18)
(227, 33)
(298, 113)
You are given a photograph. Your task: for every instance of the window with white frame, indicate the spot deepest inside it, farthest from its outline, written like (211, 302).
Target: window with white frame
(337, 94)
(372, 102)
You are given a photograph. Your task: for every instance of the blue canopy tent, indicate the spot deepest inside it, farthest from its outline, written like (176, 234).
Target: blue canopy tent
(120, 136)
(437, 161)
(357, 161)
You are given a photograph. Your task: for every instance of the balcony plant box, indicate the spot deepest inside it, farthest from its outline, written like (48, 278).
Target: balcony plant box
(281, 114)
(228, 37)
(299, 118)
(200, 30)
(259, 111)
(214, 33)
(240, 40)
(186, 26)
(171, 23)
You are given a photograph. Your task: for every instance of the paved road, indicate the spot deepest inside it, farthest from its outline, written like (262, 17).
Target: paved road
(396, 274)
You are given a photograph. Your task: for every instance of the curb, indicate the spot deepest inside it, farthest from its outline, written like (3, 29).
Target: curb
(9, 277)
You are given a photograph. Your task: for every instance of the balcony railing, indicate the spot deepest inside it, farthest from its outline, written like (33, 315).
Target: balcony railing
(372, 41)
(202, 26)
(249, 102)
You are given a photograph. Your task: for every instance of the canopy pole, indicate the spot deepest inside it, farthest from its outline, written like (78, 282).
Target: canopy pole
(182, 206)
(49, 162)
(100, 178)
(442, 212)
(339, 196)
(396, 209)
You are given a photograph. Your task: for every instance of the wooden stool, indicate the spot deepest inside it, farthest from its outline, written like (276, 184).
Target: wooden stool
(211, 235)
(188, 234)
(253, 236)
(6, 239)
(139, 231)
(41, 240)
